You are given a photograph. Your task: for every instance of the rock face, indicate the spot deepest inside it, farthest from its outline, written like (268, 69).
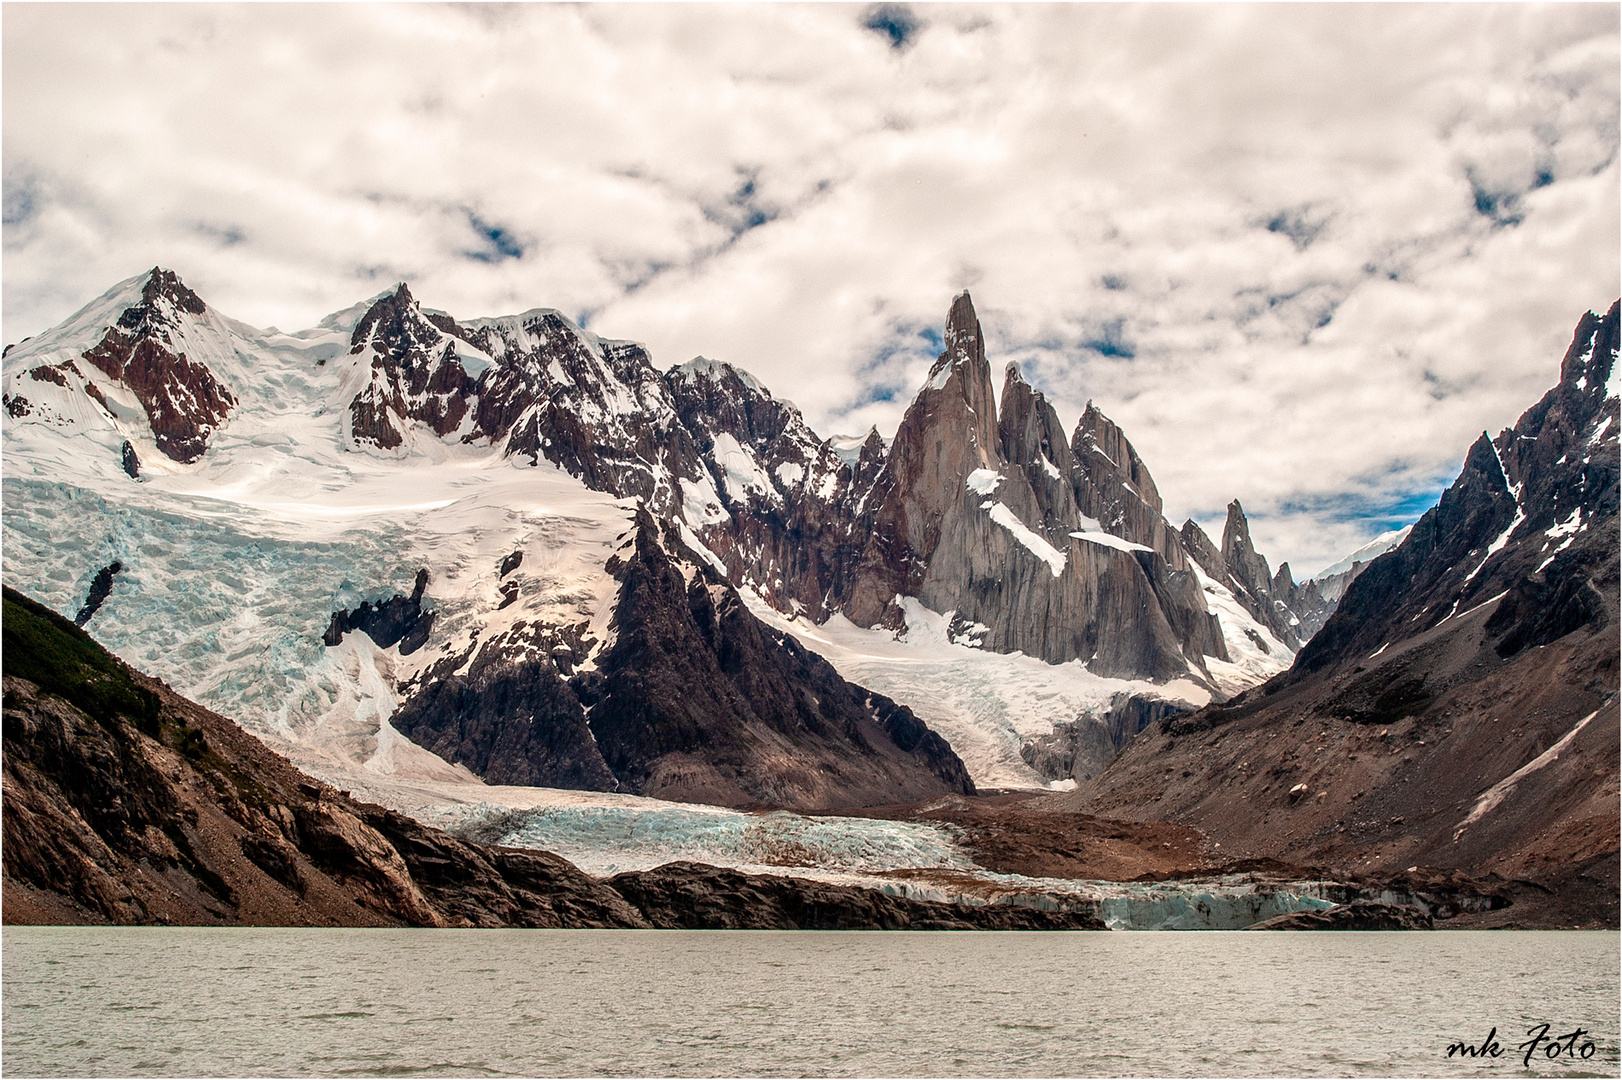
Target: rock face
(988, 517)
(398, 620)
(125, 803)
(948, 432)
(694, 699)
(1527, 521)
(145, 351)
(100, 589)
(1459, 708)
(534, 384)
(416, 374)
(782, 527)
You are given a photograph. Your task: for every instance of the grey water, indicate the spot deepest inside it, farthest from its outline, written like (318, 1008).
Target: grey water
(97, 1001)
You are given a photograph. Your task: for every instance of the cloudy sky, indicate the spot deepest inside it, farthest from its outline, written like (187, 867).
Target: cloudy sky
(1302, 254)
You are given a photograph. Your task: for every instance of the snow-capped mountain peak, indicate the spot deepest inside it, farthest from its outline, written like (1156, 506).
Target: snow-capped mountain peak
(148, 349)
(1365, 554)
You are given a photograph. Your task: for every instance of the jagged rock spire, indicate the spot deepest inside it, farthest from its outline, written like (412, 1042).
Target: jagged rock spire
(948, 432)
(1244, 562)
(1032, 438)
(959, 385)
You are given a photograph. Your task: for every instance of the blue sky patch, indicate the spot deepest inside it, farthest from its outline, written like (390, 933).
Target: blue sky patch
(894, 21)
(499, 243)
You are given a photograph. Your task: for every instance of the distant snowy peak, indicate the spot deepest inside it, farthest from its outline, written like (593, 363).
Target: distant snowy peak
(758, 446)
(848, 448)
(1365, 554)
(151, 338)
(703, 368)
(415, 374)
(785, 490)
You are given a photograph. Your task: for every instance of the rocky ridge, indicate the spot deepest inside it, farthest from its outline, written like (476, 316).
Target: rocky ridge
(692, 699)
(1459, 708)
(144, 353)
(1028, 540)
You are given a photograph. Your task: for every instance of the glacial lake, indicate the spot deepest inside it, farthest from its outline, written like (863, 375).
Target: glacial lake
(273, 1002)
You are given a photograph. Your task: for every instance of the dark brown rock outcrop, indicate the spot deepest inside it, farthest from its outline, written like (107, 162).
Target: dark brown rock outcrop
(416, 374)
(184, 402)
(691, 896)
(696, 699)
(100, 589)
(397, 620)
(509, 712)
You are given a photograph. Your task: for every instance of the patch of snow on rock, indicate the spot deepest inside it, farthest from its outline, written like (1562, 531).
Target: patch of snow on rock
(1109, 540)
(983, 481)
(1028, 539)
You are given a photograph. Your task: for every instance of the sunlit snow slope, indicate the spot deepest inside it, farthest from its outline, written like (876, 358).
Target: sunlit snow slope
(987, 704)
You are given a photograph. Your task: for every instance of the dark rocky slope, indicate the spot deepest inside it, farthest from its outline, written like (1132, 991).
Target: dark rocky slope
(692, 896)
(1459, 709)
(125, 803)
(694, 699)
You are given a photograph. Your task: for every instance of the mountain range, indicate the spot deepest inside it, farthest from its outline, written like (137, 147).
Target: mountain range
(1024, 540)
(424, 549)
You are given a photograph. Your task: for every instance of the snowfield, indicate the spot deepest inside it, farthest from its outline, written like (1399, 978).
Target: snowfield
(987, 705)
(1255, 655)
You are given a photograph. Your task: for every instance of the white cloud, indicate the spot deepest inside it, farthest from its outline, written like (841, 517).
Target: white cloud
(1302, 254)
